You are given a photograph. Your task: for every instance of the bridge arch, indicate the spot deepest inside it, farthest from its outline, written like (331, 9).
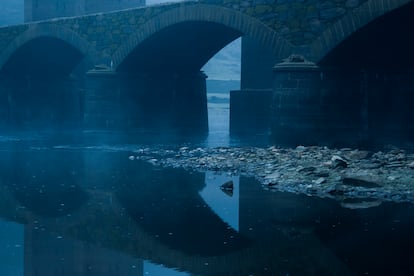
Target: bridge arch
(77, 47)
(209, 18)
(350, 24)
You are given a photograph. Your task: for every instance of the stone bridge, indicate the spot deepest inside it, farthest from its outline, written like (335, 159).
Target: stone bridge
(114, 67)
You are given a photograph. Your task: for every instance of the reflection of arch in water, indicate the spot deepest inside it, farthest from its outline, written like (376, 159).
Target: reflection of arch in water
(167, 204)
(225, 205)
(104, 222)
(42, 186)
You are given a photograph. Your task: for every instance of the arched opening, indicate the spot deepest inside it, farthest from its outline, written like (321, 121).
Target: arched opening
(223, 72)
(39, 91)
(369, 77)
(180, 48)
(167, 87)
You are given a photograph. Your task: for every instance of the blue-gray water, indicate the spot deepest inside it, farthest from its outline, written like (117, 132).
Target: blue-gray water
(77, 205)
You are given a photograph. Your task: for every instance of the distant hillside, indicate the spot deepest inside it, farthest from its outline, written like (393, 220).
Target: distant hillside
(11, 12)
(222, 86)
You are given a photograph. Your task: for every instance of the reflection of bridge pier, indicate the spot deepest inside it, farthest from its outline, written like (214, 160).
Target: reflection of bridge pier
(168, 101)
(281, 226)
(133, 210)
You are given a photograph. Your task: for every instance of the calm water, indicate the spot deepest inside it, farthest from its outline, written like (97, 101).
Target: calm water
(74, 205)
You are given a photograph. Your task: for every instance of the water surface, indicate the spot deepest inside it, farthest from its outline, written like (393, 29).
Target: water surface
(92, 211)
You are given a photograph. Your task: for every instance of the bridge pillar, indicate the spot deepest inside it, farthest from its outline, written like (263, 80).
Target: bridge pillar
(295, 113)
(40, 102)
(146, 102)
(250, 113)
(340, 106)
(309, 109)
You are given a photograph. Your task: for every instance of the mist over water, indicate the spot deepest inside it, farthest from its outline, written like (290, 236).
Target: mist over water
(93, 182)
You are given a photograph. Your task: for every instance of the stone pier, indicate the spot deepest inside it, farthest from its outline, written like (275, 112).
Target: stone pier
(40, 103)
(325, 105)
(137, 101)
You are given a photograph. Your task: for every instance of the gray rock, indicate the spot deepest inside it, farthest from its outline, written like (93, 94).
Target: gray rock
(338, 162)
(370, 166)
(307, 170)
(321, 174)
(357, 154)
(319, 181)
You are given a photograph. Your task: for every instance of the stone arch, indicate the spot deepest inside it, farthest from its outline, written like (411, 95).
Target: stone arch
(229, 18)
(51, 31)
(350, 23)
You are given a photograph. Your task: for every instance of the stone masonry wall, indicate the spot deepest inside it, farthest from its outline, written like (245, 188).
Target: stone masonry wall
(298, 21)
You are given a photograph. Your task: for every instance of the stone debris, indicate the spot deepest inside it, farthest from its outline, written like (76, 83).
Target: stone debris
(316, 171)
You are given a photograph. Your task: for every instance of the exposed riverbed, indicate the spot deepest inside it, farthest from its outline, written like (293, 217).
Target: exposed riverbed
(318, 171)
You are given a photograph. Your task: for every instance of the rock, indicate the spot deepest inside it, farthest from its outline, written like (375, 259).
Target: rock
(307, 170)
(360, 180)
(228, 186)
(411, 165)
(394, 164)
(319, 181)
(392, 177)
(271, 184)
(357, 154)
(274, 175)
(300, 148)
(132, 158)
(370, 166)
(321, 174)
(336, 192)
(338, 162)
(153, 161)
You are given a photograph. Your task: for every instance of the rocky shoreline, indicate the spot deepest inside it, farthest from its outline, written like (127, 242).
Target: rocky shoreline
(345, 174)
